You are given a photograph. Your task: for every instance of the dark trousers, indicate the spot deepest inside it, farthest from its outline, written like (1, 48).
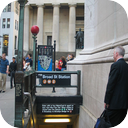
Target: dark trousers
(12, 79)
(116, 116)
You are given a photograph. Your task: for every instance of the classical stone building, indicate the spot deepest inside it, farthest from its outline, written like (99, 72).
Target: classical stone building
(57, 20)
(106, 26)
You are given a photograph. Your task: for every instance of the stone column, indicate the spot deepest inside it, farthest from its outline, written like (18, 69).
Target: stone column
(26, 29)
(40, 15)
(72, 27)
(55, 31)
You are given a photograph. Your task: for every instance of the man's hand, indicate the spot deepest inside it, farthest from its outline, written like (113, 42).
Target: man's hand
(106, 105)
(7, 69)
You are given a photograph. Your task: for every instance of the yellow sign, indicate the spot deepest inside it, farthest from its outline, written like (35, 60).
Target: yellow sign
(5, 43)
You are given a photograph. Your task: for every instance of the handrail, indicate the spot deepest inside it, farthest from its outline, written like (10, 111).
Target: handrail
(57, 72)
(64, 72)
(29, 95)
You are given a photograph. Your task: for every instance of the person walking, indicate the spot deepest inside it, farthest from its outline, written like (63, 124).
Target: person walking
(59, 65)
(12, 70)
(64, 63)
(116, 96)
(4, 68)
(29, 60)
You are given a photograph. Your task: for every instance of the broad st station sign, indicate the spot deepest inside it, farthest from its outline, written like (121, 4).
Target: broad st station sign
(49, 80)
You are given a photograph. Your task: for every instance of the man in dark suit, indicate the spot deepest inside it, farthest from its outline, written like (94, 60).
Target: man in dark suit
(116, 96)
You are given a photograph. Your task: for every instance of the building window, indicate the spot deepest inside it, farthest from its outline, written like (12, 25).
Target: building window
(4, 5)
(4, 22)
(49, 40)
(16, 7)
(9, 7)
(17, 25)
(8, 23)
(80, 18)
(5, 44)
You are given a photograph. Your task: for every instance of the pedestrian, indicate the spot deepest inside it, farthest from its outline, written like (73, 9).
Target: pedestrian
(116, 96)
(28, 64)
(12, 70)
(4, 68)
(63, 63)
(29, 60)
(56, 64)
(59, 65)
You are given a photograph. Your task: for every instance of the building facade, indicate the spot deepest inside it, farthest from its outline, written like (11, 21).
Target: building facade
(106, 26)
(9, 30)
(0, 10)
(57, 20)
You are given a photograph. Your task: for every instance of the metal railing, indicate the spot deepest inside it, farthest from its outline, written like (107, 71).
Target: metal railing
(31, 104)
(24, 98)
(64, 73)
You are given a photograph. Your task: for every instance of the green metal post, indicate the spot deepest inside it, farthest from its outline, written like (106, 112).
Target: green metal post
(20, 35)
(19, 75)
(34, 52)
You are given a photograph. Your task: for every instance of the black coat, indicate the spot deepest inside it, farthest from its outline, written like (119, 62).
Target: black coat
(117, 88)
(13, 66)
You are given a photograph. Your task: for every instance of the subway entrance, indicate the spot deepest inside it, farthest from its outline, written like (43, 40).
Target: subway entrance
(37, 106)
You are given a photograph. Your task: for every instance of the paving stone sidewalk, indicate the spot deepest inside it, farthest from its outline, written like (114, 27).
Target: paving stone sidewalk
(7, 105)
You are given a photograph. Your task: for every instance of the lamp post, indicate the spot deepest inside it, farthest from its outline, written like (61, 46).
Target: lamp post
(34, 31)
(20, 35)
(19, 75)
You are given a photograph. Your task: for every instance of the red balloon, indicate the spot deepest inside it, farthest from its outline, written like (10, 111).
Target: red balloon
(34, 30)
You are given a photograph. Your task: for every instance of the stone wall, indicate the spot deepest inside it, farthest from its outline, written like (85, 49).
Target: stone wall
(105, 27)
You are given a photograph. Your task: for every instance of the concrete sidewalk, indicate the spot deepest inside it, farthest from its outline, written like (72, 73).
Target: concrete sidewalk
(7, 105)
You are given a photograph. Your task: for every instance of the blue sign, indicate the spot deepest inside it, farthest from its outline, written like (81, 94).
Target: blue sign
(45, 58)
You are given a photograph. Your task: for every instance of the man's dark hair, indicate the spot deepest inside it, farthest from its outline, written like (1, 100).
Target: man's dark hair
(4, 53)
(30, 54)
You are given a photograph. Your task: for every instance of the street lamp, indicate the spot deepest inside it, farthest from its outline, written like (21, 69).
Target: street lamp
(20, 35)
(19, 75)
(34, 31)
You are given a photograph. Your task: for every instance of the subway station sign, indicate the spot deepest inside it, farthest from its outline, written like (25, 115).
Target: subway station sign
(45, 58)
(58, 108)
(55, 79)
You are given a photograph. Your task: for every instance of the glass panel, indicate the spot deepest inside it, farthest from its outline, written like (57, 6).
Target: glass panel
(4, 21)
(8, 23)
(9, 7)
(15, 24)
(5, 44)
(49, 40)
(16, 7)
